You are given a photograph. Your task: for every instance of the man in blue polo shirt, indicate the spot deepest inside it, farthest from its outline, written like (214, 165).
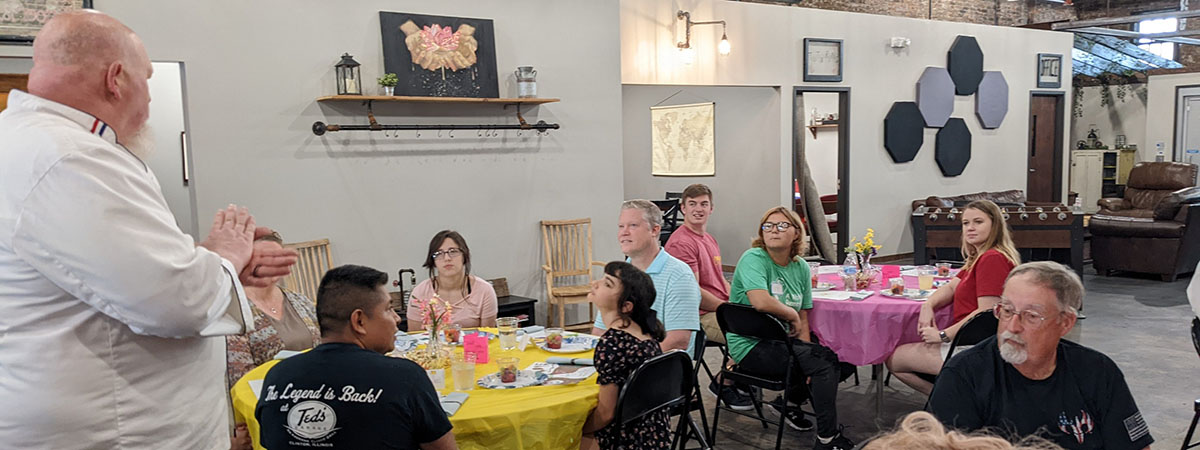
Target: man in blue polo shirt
(678, 295)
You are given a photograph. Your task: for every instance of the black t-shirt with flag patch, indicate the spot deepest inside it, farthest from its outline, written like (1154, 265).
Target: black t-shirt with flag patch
(342, 396)
(1084, 404)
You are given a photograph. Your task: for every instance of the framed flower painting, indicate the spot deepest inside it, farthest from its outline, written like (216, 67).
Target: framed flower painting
(440, 56)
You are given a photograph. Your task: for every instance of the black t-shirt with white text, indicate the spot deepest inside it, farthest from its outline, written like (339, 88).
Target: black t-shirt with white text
(1084, 404)
(342, 396)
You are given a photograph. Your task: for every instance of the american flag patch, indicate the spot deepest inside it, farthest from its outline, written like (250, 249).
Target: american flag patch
(1136, 427)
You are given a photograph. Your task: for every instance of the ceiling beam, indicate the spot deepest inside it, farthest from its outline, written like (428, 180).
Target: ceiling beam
(1136, 35)
(1108, 54)
(1130, 49)
(1125, 19)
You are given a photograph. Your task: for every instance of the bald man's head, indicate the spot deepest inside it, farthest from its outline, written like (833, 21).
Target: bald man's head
(90, 61)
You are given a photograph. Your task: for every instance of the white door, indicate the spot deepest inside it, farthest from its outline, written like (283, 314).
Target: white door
(170, 161)
(1086, 178)
(1189, 152)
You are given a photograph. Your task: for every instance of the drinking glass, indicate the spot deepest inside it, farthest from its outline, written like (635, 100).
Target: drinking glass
(554, 338)
(925, 277)
(813, 269)
(508, 368)
(508, 332)
(896, 285)
(453, 333)
(943, 269)
(464, 373)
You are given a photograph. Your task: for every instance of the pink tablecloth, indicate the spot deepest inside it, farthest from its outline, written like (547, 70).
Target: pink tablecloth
(866, 332)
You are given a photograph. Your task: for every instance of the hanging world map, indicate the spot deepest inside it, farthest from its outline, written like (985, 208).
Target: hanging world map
(682, 142)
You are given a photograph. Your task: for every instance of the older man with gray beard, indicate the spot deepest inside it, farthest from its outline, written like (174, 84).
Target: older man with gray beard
(1029, 380)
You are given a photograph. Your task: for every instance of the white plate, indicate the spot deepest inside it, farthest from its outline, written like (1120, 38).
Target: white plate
(911, 294)
(525, 378)
(824, 286)
(573, 344)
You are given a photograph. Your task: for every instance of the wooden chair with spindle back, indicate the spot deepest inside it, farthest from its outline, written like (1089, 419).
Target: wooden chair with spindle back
(315, 259)
(568, 269)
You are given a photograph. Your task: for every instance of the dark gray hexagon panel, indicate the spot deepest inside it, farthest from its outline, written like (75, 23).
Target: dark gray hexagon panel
(965, 62)
(953, 149)
(991, 101)
(935, 96)
(903, 131)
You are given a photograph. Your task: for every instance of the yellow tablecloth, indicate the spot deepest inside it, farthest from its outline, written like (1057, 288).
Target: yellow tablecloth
(539, 417)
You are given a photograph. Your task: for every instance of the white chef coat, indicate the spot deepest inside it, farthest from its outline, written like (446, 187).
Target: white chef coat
(106, 307)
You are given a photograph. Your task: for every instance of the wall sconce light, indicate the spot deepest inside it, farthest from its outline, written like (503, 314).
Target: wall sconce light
(687, 54)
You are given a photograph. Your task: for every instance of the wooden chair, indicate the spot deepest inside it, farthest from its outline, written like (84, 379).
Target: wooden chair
(315, 259)
(568, 245)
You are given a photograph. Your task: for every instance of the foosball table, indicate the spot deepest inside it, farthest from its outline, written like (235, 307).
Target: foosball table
(1042, 233)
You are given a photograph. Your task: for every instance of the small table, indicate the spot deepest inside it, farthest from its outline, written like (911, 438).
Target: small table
(517, 306)
(867, 332)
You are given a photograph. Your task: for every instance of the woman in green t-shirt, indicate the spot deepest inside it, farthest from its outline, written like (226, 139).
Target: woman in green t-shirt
(772, 277)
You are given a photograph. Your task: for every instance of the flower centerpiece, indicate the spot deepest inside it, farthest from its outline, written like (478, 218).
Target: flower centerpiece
(436, 315)
(859, 255)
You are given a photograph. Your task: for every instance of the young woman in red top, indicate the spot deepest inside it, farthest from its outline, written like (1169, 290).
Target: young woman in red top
(990, 254)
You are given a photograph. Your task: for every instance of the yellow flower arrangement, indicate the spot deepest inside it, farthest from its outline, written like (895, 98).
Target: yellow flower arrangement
(862, 252)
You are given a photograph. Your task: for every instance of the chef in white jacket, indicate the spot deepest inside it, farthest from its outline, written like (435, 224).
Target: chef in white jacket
(110, 317)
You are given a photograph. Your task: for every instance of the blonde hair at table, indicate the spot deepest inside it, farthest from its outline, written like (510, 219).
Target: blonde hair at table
(1000, 238)
(921, 431)
(799, 246)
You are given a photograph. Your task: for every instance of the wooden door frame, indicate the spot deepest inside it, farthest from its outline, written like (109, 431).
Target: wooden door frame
(1056, 183)
(843, 203)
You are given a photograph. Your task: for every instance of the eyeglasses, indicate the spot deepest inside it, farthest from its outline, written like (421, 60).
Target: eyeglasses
(1029, 317)
(781, 226)
(448, 253)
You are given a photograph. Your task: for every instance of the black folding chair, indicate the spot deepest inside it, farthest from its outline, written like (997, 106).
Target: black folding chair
(661, 383)
(1196, 405)
(979, 327)
(687, 427)
(746, 321)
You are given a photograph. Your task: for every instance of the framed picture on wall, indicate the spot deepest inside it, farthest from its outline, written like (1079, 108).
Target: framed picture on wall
(1049, 70)
(440, 56)
(681, 140)
(822, 59)
(21, 20)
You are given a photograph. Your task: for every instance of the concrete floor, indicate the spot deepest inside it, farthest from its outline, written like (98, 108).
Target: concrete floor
(1138, 321)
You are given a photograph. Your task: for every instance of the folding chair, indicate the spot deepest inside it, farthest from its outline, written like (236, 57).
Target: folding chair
(979, 327)
(746, 321)
(1196, 405)
(697, 403)
(661, 383)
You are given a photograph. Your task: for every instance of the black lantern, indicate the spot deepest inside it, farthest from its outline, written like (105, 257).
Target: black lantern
(348, 80)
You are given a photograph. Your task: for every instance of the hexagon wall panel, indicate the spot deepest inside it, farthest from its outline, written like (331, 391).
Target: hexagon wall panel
(935, 96)
(991, 101)
(903, 131)
(953, 150)
(965, 62)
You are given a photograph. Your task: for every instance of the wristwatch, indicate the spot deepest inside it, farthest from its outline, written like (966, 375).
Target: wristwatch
(943, 335)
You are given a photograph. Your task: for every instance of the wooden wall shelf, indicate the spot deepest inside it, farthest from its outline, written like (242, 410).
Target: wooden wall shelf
(411, 99)
(814, 128)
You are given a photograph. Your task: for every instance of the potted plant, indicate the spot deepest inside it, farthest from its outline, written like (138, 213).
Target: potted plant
(388, 81)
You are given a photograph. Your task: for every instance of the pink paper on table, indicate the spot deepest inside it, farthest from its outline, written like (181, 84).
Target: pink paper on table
(477, 345)
(890, 272)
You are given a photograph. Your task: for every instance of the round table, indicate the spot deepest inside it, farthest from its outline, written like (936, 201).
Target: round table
(866, 332)
(537, 417)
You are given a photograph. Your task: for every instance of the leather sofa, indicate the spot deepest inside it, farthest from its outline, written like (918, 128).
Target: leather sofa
(1154, 228)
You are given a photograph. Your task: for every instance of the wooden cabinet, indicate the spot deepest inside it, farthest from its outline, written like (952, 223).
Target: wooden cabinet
(1097, 174)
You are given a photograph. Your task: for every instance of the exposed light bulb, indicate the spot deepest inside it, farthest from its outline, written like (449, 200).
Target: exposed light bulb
(687, 55)
(724, 47)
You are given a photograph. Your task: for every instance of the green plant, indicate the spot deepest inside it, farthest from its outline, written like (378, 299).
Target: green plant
(389, 80)
(1077, 101)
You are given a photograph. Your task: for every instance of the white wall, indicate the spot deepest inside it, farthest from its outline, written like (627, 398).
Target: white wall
(1127, 117)
(767, 51)
(254, 70)
(1160, 112)
(821, 150)
(745, 182)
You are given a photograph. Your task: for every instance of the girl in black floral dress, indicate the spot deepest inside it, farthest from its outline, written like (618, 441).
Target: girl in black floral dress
(624, 297)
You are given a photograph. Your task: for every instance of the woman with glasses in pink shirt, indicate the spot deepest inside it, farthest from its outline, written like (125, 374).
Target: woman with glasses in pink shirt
(449, 262)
